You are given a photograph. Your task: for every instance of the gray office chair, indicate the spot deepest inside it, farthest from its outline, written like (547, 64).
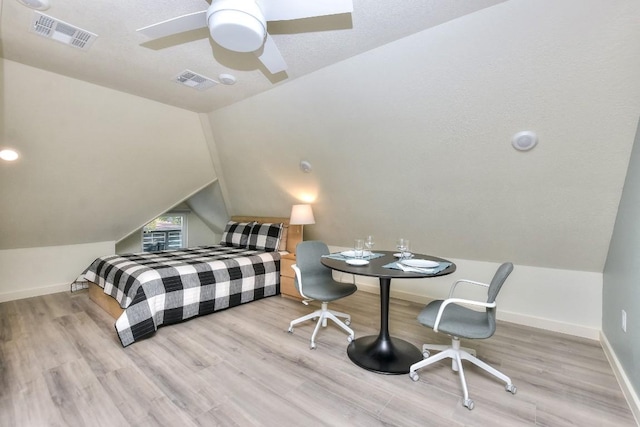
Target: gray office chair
(451, 317)
(315, 282)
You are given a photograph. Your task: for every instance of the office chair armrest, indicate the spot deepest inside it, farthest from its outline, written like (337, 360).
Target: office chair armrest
(471, 282)
(461, 301)
(298, 279)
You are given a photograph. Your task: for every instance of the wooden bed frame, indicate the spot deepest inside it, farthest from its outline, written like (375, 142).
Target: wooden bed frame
(111, 306)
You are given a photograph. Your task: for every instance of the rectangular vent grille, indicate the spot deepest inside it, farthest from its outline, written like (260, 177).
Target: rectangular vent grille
(57, 30)
(194, 80)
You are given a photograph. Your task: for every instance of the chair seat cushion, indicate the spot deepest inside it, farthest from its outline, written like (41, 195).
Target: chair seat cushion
(457, 321)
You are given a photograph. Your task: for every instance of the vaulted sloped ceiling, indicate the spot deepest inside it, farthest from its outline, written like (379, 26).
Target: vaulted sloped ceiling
(95, 163)
(413, 139)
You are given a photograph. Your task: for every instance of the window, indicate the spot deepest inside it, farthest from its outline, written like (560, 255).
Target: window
(168, 231)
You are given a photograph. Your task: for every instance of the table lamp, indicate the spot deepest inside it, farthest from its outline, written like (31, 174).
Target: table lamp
(301, 215)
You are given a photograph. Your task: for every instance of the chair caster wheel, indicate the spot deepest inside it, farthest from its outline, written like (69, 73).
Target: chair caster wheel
(469, 404)
(426, 354)
(414, 376)
(511, 388)
(347, 322)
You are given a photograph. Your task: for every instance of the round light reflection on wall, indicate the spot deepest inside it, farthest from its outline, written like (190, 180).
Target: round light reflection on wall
(9, 155)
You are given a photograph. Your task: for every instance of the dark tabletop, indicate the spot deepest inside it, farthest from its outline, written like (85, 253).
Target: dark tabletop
(375, 269)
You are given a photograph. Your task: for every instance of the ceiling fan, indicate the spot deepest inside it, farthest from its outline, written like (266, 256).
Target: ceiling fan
(241, 25)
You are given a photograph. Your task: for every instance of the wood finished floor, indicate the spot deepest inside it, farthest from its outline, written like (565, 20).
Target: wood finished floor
(61, 364)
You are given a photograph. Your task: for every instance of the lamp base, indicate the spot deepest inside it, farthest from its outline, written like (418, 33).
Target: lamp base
(294, 237)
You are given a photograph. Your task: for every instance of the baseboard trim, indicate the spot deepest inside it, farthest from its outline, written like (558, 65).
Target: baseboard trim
(627, 389)
(550, 325)
(520, 319)
(34, 292)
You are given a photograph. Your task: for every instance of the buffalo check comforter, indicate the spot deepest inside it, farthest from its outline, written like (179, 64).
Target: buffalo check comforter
(160, 288)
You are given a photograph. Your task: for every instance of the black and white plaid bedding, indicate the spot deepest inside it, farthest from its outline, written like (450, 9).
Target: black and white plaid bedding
(159, 288)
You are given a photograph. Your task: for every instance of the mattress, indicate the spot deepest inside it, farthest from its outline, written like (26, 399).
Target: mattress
(161, 288)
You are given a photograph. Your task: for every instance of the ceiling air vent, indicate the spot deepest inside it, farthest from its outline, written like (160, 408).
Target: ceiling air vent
(194, 80)
(55, 29)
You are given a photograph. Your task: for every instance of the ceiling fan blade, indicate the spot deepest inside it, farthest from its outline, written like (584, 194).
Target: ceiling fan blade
(191, 21)
(284, 10)
(270, 56)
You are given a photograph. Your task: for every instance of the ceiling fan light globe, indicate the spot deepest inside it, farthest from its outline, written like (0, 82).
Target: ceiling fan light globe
(237, 31)
(237, 25)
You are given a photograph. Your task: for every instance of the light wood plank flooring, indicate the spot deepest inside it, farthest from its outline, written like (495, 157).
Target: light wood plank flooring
(61, 364)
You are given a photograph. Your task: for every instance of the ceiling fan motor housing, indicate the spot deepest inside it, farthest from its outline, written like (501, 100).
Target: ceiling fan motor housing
(237, 25)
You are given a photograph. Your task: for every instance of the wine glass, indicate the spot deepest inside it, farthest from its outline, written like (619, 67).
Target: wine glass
(403, 247)
(368, 245)
(358, 248)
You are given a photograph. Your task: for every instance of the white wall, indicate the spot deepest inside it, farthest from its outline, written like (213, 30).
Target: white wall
(199, 233)
(30, 272)
(557, 300)
(413, 138)
(96, 163)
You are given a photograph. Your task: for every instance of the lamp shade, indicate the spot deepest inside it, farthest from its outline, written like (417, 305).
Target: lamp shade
(301, 214)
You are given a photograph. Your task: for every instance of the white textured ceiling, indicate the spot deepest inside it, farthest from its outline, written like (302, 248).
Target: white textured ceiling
(124, 60)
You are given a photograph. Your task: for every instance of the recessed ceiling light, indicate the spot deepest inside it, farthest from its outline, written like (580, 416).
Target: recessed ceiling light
(305, 166)
(36, 4)
(8, 155)
(227, 79)
(524, 141)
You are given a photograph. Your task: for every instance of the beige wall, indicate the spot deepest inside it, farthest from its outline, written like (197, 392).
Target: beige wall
(199, 233)
(564, 301)
(38, 271)
(413, 138)
(96, 163)
(408, 139)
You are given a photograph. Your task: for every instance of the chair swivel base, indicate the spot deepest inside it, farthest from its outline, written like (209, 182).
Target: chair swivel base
(323, 315)
(458, 354)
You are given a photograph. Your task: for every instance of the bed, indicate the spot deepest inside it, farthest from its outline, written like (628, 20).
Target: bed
(146, 290)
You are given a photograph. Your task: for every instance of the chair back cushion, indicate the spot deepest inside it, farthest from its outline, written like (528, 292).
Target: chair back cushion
(463, 322)
(498, 280)
(494, 287)
(317, 280)
(308, 256)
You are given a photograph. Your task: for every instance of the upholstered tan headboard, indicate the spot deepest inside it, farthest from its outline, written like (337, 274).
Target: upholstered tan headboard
(294, 232)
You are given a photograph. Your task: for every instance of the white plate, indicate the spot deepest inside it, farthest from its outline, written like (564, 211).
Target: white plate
(399, 255)
(420, 263)
(348, 254)
(357, 262)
